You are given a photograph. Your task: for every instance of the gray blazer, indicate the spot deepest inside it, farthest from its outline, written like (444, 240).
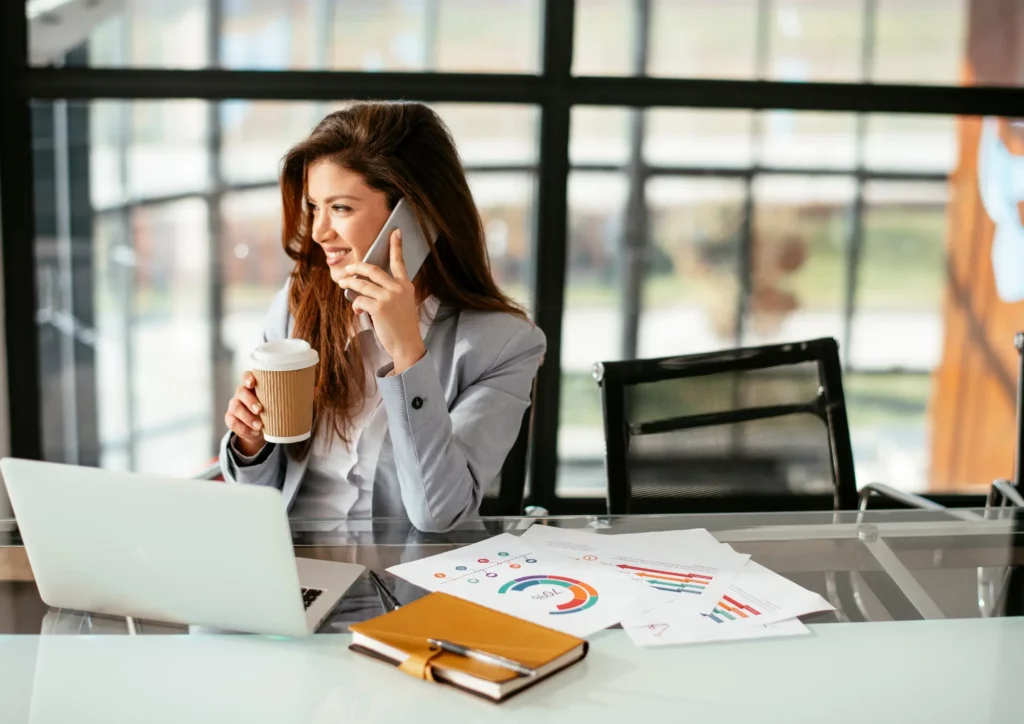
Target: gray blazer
(452, 418)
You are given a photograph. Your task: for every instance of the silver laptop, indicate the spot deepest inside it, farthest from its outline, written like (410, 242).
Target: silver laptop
(189, 552)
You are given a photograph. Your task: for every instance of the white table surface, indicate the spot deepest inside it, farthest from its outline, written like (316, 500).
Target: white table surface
(921, 671)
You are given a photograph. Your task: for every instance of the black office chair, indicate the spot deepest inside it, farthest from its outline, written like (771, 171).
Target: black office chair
(504, 496)
(750, 429)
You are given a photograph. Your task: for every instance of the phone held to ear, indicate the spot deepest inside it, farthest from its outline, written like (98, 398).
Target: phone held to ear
(415, 248)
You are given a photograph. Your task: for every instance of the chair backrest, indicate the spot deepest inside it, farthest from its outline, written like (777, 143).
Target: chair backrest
(744, 429)
(505, 494)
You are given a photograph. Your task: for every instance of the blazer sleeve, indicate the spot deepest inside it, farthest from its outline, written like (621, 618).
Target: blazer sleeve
(268, 467)
(445, 456)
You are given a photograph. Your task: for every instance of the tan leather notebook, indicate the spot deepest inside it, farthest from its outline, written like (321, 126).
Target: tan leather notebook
(400, 638)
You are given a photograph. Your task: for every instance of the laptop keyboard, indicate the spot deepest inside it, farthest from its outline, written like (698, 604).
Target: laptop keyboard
(309, 596)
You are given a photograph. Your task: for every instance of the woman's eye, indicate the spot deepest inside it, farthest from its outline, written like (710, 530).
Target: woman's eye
(338, 208)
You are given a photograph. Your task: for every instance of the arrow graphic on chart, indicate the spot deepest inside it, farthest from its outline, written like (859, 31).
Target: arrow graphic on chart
(682, 576)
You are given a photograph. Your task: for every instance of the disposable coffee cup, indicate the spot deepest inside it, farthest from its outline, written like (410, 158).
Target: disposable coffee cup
(285, 372)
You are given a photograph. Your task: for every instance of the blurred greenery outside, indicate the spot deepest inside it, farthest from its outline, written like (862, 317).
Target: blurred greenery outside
(902, 267)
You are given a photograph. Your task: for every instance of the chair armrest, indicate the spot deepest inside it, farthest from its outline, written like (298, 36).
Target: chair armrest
(887, 491)
(1008, 492)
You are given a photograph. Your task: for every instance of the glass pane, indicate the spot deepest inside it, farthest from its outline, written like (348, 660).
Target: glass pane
(599, 135)
(114, 280)
(704, 38)
(919, 41)
(902, 276)
(692, 289)
(171, 383)
(134, 33)
(489, 134)
(505, 201)
(591, 325)
(255, 268)
(890, 427)
(257, 134)
(688, 137)
(123, 291)
(800, 236)
(400, 35)
(146, 149)
(271, 35)
(488, 36)
(603, 37)
(444, 35)
(168, 151)
(808, 140)
(811, 40)
(911, 143)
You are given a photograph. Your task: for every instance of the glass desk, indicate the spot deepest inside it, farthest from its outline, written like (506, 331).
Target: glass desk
(885, 565)
(942, 590)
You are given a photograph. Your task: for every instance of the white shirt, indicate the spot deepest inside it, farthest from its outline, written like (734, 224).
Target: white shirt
(339, 477)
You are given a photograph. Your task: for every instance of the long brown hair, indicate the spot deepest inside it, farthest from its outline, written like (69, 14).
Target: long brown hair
(405, 151)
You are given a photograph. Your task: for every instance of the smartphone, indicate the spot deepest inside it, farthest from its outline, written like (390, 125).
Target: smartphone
(415, 248)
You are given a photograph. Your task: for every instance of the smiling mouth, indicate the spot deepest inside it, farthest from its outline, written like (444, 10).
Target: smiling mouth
(337, 256)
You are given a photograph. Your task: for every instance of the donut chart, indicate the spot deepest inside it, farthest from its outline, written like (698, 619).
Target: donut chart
(583, 594)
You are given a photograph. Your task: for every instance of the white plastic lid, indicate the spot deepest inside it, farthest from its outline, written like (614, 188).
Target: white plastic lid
(283, 356)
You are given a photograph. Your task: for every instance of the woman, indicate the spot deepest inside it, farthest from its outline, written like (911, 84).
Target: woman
(422, 383)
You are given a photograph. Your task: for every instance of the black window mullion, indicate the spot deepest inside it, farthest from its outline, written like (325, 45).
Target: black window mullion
(552, 240)
(17, 235)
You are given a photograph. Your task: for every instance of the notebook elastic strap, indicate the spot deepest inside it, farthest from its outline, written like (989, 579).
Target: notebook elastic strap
(418, 665)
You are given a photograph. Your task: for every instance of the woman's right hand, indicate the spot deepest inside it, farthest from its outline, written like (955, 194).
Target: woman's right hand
(243, 418)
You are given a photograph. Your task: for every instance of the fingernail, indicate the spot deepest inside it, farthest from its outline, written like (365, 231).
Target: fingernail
(398, 234)
(248, 383)
(257, 425)
(256, 409)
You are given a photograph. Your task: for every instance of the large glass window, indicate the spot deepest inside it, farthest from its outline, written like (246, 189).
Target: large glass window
(591, 325)
(689, 229)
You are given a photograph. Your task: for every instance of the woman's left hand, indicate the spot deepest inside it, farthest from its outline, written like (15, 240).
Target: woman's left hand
(391, 303)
